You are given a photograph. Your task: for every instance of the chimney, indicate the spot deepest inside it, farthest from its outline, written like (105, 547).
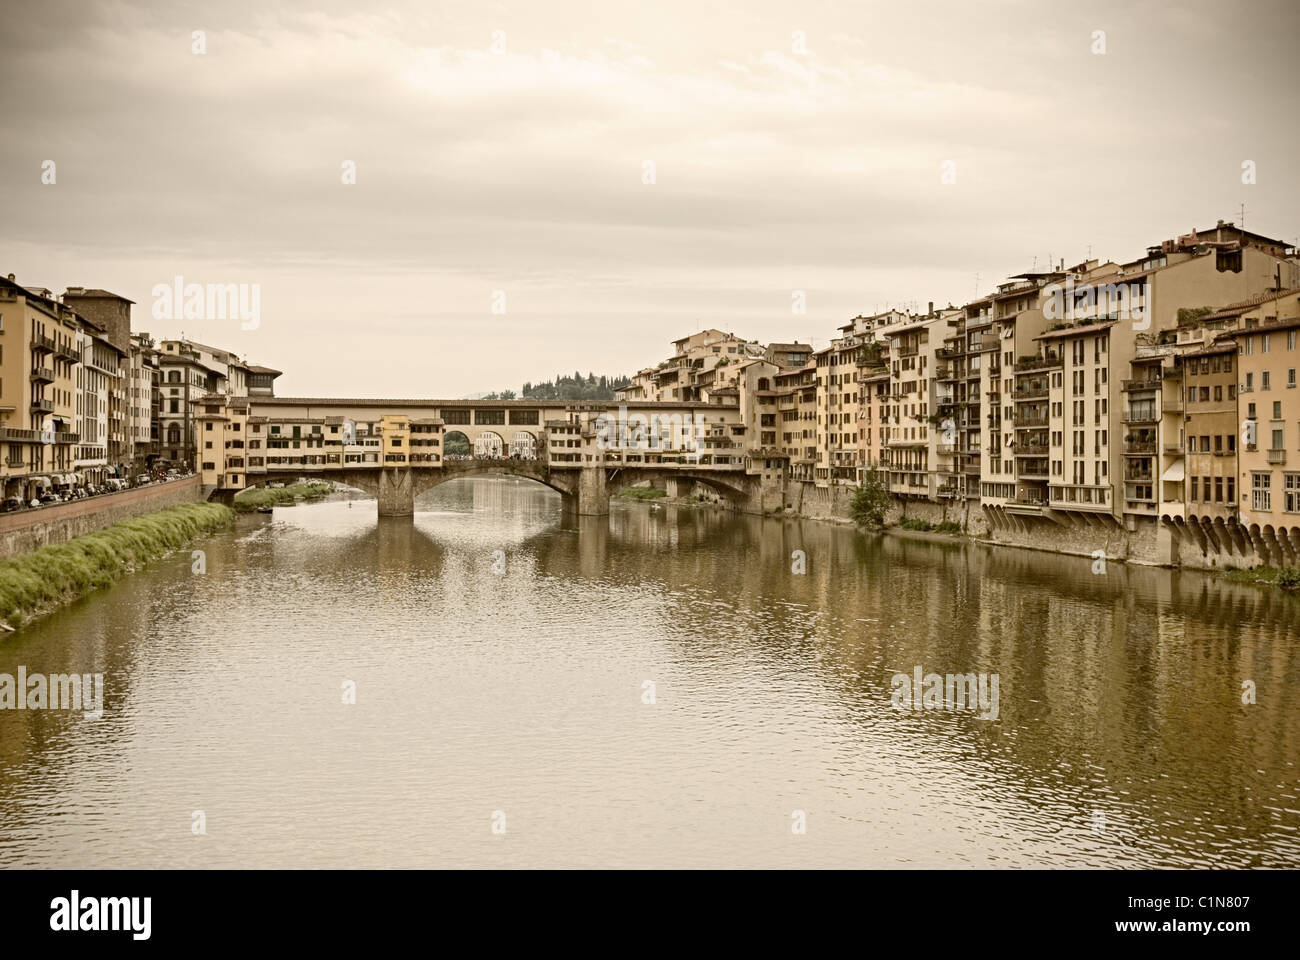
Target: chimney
(11, 278)
(931, 308)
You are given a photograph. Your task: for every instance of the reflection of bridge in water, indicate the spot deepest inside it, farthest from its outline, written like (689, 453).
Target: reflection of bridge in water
(396, 450)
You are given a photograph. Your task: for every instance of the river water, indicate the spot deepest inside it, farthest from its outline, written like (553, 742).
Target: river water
(500, 652)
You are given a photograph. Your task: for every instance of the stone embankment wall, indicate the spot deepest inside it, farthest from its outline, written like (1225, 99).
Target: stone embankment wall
(26, 530)
(1143, 540)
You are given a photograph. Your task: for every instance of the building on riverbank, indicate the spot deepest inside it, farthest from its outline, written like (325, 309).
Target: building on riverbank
(38, 390)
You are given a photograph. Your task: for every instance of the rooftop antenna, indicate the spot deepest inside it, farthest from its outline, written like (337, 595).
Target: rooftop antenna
(977, 284)
(1242, 224)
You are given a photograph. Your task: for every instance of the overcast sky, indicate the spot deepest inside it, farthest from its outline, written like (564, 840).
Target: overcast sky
(776, 168)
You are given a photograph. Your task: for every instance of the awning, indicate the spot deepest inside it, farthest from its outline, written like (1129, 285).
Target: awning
(1175, 472)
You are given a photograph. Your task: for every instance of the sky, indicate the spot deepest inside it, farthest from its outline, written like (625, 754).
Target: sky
(541, 188)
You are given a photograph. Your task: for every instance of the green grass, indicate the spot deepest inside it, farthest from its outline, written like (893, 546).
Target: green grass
(1288, 578)
(258, 497)
(641, 493)
(37, 581)
(925, 526)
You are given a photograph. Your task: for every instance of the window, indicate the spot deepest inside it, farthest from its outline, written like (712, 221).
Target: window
(1277, 409)
(1263, 380)
(1291, 492)
(1290, 377)
(1260, 498)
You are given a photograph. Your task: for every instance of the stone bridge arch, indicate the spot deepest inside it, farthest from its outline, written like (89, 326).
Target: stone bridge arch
(738, 490)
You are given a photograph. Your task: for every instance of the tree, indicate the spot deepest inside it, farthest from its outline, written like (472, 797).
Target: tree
(870, 501)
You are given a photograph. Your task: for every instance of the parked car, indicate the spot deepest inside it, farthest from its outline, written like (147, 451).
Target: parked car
(141, 480)
(49, 498)
(11, 504)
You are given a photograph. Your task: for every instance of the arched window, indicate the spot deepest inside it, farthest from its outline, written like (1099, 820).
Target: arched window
(523, 446)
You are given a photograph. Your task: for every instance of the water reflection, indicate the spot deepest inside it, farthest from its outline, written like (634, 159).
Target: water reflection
(1121, 737)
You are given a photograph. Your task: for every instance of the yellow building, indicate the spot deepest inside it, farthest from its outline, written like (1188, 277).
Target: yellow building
(38, 356)
(1268, 405)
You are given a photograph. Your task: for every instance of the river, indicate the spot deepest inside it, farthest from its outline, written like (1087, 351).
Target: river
(502, 655)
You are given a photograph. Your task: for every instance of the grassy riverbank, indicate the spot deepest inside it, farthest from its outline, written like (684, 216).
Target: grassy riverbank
(39, 581)
(259, 497)
(1288, 578)
(641, 493)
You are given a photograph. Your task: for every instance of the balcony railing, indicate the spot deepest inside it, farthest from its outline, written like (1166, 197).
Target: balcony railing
(1140, 385)
(43, 406)
(1030, 393)
(1277, 456)
(1140, 446)
(1030, 420)
(40, 342)
(1140, 416)
(42, 375)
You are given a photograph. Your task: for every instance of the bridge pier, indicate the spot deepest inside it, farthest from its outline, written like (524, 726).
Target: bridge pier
(593, 496)
(396, 493)
(221, 495)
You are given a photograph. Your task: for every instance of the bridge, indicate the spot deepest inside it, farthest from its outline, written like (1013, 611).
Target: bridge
(396, 450)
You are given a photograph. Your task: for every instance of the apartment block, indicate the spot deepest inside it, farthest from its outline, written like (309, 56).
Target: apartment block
(38, 362)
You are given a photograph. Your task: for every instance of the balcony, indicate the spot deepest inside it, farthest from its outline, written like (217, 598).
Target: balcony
(42, 406)
(1047, 362)
(1031, 393)
(1024, 420)
(1140, 447)
(17, 435)
(1173, 450)
(1029, 471)
(12, 461)
(67, 438)
(1142, 415)
(1140, 385)
(1138, 475)
(1277, 456)
(42, 375)
(67, 353)
(43, 343)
